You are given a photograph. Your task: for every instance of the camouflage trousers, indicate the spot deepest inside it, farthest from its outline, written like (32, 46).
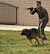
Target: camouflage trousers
(41, 27)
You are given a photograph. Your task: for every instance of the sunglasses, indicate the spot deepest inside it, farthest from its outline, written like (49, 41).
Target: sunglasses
(37, 3)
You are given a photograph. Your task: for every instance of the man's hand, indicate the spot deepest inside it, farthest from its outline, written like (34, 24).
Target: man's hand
(40, 20)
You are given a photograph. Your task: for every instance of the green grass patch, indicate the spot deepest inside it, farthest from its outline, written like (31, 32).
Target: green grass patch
(11, 42)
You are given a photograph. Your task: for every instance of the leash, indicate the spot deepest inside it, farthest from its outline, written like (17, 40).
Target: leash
(40, 27)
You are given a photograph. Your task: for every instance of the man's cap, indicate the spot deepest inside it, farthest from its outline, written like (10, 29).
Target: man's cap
(38, 2)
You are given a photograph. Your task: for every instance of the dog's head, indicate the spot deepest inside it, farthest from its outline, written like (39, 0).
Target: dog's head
(25, 32)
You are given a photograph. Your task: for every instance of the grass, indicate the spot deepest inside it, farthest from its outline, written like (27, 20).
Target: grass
(11, 42)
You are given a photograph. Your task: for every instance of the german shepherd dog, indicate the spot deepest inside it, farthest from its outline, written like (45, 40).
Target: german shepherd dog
(32, 33)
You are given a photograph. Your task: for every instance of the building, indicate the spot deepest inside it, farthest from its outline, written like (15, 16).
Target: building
(15, 12)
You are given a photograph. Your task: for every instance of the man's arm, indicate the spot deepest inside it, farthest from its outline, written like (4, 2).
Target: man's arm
(33, 11)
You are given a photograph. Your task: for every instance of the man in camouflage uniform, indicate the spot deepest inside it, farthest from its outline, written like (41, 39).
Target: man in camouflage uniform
(43, 17)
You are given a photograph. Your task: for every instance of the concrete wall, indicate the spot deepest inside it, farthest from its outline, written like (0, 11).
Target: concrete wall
(23, 15)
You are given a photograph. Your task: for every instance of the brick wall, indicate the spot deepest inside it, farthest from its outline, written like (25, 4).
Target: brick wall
(7, 14)
(23, 15)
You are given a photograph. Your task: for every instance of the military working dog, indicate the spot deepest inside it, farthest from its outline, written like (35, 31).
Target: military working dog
(32, 33)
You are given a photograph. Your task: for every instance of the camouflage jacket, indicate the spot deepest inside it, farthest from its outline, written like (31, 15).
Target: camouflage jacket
(42, 13)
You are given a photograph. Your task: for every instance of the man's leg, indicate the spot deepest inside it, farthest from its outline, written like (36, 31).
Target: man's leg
(42, 30)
